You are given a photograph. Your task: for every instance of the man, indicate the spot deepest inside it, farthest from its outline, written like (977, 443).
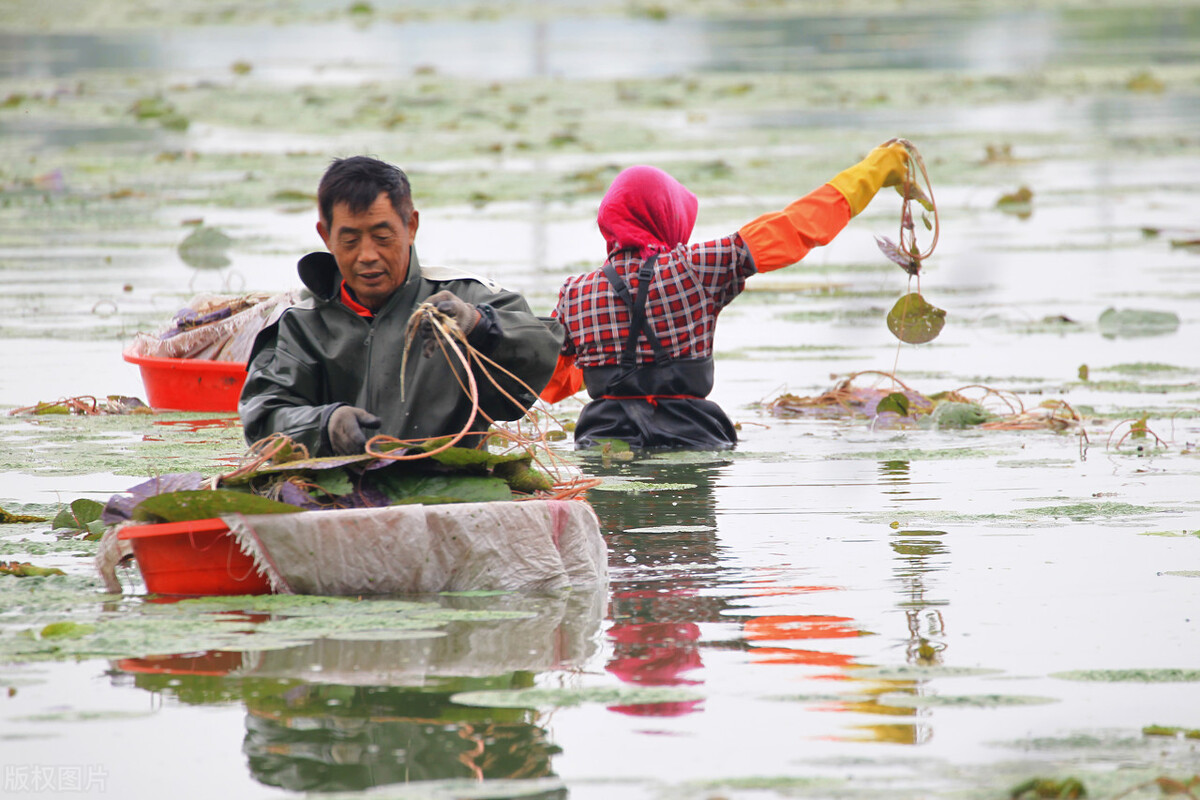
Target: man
(327, 373)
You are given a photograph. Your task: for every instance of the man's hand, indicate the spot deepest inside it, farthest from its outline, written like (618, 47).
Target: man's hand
(450, 305)
(345, 429)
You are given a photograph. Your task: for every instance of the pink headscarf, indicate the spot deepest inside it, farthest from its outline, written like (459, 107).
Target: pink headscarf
(648, 209)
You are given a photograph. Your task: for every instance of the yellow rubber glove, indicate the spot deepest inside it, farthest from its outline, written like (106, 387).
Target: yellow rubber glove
(886, 165)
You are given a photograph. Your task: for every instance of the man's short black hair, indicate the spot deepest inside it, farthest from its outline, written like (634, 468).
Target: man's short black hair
(357, 182)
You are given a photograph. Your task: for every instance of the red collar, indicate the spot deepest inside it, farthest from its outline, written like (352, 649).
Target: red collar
(349, 302)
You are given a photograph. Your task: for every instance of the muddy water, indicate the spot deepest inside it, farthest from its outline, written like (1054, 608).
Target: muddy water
(838, 607)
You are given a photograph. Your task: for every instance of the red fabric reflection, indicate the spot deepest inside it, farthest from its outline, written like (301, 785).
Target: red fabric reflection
(656, 654)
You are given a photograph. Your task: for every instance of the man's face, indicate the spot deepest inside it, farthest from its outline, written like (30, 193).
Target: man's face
(371, 248)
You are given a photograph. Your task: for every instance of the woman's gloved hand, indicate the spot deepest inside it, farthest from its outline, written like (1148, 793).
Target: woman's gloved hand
(345, 429)
(450, 305)
(886, 165)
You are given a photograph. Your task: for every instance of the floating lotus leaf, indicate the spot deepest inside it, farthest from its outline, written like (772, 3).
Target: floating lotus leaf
(1133, 322)
(205, 248)
(915, 321)
(451, 488)
(202, 504)
(896, 402)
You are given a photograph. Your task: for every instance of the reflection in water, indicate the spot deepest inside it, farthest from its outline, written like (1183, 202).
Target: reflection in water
(336, 715)
(660, 573)
(334, 737)
(669, 577)
(916, 551)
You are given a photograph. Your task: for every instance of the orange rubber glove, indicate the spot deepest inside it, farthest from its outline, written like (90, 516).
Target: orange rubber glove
(566, 380)
(886, 165)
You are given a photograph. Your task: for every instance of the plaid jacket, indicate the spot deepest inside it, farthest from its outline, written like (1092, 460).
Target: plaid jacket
(691, 285)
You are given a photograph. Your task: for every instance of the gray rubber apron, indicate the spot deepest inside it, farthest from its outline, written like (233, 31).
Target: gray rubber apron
(659, 404)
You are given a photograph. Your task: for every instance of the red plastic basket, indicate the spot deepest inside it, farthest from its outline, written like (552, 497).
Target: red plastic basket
(190, 384)
(198, 557)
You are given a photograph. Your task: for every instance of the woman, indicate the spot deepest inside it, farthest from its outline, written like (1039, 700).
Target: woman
(640, 328)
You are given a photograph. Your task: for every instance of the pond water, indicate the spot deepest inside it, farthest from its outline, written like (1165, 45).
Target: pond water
(840, 607)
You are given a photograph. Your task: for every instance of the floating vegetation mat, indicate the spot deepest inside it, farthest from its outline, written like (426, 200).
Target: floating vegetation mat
(974, 407)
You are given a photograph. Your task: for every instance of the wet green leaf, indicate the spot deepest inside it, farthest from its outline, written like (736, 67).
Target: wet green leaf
(915, 321)
(960, 415)
(896, 403)
(523, 478)
(79, 514)
(334, 482)
(434, 489)
(204, 504)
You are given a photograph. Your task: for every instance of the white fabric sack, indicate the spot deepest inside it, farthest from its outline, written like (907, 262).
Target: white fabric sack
(528, 545)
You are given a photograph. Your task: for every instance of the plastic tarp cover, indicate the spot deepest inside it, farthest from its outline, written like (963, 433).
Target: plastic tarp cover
(227, 339)
(529, 545)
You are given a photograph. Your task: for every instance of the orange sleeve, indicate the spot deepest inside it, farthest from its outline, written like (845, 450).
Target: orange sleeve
(566, 380)
(781, 238)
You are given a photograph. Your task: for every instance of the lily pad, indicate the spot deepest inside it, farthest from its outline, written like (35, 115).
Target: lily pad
(637, 487)
(1131, 675)
(1132, 322)
(896, 402)
(566, 698)
(908, 672)
(432, 489)
(915, 321)
(962, 700)
(205, 248)
(83, 515)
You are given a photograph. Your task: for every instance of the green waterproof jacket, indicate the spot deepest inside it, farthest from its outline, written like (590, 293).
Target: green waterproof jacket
(320, 355)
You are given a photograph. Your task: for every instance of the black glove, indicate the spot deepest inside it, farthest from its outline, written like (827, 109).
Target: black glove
(345, 429)
(450, 305)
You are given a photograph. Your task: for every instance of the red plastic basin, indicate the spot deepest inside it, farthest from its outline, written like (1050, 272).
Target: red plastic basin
(190, 384)
(198, 557)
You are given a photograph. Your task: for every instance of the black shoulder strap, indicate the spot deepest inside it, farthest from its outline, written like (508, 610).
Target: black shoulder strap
(638, 324)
